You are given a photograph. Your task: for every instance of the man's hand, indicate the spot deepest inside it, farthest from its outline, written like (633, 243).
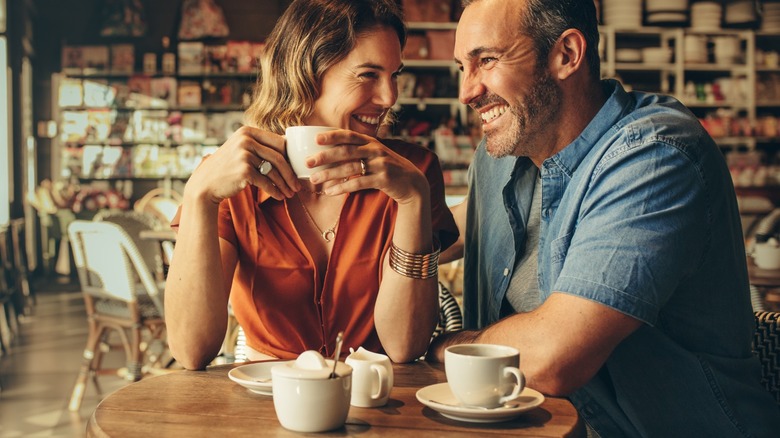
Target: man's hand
(441, 342)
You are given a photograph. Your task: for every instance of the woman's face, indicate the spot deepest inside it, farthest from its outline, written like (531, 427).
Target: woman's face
(358, 92)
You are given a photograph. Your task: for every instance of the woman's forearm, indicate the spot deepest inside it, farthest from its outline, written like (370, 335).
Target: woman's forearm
(407, 309)
(196, 292)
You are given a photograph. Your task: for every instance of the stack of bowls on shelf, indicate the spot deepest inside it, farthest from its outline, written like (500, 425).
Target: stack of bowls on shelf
(657, 55)
(740, 13)
(705, 16)
(726, 49)
(628, 55)
(623, 14)
(770, 19)
(695, 48)
(666, 11)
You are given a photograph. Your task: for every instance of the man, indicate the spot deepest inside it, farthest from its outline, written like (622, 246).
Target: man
(604, 224)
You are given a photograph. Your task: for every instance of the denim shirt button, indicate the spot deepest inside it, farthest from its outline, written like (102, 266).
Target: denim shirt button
(506, 272)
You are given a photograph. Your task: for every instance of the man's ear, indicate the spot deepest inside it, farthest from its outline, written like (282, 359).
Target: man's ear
(568, 54)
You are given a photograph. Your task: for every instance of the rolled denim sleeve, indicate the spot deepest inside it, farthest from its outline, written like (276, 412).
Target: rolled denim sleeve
(642, 227)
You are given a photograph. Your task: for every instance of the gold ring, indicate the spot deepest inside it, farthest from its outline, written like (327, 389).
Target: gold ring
(265, 167)
(363, 169)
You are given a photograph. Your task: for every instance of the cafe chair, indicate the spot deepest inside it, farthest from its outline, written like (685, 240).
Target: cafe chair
(21, 264)
(162, 203)
(134, 222)
(121, 296)
(234, 346)
(450, 317)
(766, 345)
(10, 297)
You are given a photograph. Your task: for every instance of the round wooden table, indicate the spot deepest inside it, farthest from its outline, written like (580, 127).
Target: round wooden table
(208, 404)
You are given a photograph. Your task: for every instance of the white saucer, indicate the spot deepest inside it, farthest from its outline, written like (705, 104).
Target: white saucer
(450, 407)
(248, 376)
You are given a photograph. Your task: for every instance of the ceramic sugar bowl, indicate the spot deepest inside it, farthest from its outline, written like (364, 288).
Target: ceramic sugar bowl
(306, 398)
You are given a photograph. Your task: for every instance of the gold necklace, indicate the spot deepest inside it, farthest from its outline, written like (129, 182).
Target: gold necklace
(316, 192)
(328, 234)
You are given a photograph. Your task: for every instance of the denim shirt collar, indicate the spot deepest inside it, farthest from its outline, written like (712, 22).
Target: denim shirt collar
(615, 108)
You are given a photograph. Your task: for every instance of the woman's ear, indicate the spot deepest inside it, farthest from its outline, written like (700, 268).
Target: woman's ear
(568, 54)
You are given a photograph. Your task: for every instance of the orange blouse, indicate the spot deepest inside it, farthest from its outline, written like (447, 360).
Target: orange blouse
(275, 296)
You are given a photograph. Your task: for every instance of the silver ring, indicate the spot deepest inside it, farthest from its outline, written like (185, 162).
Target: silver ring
(265, 167)
(363, 169)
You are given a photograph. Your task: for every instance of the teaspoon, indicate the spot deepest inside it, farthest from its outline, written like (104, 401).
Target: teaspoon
(339, 338)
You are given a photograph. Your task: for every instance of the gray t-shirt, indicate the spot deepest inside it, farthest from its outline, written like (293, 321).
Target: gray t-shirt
(523, 291)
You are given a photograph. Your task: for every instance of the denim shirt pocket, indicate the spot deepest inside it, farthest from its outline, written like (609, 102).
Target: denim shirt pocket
(551, 261)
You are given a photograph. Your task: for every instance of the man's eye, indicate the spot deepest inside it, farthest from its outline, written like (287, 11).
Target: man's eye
(487, 60)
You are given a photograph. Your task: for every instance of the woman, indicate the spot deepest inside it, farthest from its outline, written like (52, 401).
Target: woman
(302, 260)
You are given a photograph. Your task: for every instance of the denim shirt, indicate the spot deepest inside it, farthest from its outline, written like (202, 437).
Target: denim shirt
(638, 214)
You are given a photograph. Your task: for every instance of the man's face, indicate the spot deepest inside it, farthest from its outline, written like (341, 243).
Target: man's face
(516, 97)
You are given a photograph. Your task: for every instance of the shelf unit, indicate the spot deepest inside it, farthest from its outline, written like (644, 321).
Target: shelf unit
(439, 102)
(672, 77)
(443, 121)
(435, 97)
(152, 125)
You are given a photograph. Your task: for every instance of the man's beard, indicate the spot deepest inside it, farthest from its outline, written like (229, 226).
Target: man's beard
(529, 118)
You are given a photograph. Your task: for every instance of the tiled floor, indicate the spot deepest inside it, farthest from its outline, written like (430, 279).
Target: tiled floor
(38, 374)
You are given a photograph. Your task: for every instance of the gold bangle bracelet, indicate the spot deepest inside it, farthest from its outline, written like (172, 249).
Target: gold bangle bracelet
(417, 266)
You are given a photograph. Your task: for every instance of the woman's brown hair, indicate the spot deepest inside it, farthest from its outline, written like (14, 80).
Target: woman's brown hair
(309, 38)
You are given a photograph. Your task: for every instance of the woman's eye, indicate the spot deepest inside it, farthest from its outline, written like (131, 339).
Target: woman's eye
(368, 75)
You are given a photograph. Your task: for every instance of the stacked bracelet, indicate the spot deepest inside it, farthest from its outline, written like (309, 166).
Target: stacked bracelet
(418, 266)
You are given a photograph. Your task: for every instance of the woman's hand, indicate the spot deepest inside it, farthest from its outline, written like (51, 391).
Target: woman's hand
(235, 164)
(366, 163)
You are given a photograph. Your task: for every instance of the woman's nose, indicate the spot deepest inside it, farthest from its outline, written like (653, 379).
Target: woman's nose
(387, 93)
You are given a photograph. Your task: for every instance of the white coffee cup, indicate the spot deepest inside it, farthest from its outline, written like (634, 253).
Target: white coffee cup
(302, 143)
(372, 378)
(306, 399)
(766, 255)
(483, 375)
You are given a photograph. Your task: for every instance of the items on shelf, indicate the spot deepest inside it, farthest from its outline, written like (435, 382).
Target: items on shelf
(720, 90)
(724, 123)
(132, 128)
(435, 44)
(145, 92)
(750, 169)
(453, 148)
(768, 88)
(768, 58)
(432, 11)
(122, 58)
(701, 16)
(192, 57)
(202, 19)
(770, 18)
(96, 162)
(123, 18)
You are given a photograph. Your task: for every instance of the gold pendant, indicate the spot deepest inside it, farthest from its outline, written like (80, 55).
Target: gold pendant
(328, 235)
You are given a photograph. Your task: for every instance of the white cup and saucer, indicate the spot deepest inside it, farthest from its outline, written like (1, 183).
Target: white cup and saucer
(484, 385)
